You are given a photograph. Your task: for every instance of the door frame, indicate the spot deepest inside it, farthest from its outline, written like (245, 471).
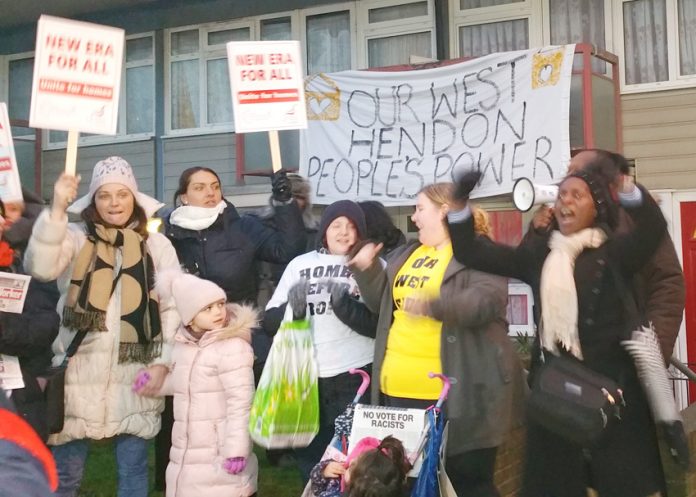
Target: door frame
(670, 204)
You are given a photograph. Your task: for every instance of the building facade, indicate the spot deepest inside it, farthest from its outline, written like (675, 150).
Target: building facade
(175, 101)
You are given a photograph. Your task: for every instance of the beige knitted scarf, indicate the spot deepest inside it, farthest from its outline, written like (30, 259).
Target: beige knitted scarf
(559, 298)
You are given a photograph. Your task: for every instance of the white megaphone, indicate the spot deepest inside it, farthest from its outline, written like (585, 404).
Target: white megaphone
(526, 194)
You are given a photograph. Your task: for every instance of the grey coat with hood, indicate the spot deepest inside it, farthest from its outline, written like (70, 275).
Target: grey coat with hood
(488, 388)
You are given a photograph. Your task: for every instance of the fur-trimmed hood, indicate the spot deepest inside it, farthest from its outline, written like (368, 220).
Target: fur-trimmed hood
(241, 321)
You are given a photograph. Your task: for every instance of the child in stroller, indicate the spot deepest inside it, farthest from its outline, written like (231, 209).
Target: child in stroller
(372, 468)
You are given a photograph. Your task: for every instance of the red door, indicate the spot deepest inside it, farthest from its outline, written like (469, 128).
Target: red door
(688, 230)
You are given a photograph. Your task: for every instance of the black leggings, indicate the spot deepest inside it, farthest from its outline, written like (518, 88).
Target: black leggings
(471, 473)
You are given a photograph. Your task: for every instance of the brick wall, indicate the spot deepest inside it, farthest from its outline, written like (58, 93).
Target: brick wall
(508, 467)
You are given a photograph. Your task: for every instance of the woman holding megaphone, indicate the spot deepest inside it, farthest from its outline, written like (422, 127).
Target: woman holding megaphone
(574, 271)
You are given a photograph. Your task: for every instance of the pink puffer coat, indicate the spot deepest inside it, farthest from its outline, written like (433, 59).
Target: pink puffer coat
(213, 386)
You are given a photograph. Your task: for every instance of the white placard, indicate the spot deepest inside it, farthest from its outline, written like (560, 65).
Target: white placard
(13, 292)
(520, 309)
(267, 84)
(407, 425)
(10, 373)
(379, 135)
(77, 76)
(10, 186)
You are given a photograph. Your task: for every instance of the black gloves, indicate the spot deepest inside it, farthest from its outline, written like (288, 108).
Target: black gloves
(464, 184)
(297, 299)
(280, 186)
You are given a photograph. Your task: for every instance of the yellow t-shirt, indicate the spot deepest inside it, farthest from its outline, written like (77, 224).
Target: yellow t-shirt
(413, 346)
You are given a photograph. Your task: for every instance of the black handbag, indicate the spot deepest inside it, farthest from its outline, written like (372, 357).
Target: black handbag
(573, 401)
(55, 387)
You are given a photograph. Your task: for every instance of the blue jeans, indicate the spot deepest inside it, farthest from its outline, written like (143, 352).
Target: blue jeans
(131, 461)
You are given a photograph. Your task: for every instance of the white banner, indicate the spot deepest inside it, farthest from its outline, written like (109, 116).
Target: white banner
(77, 76)
(10, 186)
(266, 83)
(384, 135)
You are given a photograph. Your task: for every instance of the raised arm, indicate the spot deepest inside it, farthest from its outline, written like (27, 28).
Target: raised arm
(282, 243)
(632, 250)
(483, 254)
(370, 274)
(52, 244)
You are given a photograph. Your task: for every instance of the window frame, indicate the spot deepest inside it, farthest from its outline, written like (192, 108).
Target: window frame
(203, 55)
(328, 9)
(5, 81)
(531, 10)
(121, 136)
(367, 31)
(608, 29)
(360, 34)
(675, 80)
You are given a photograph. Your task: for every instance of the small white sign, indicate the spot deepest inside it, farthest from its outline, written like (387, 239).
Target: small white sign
(267, 84)
(10, 373)
(407, 425)
(520, 309)
(10, 186)
(13, 292)
(77, 76)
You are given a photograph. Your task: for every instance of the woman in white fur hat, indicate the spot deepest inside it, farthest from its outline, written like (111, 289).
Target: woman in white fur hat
(105, 269)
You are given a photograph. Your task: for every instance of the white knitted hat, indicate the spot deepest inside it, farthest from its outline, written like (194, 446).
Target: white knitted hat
(115, 170)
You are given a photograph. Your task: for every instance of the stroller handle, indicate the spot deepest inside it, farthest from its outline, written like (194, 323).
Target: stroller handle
(363, 386)
(445, 388)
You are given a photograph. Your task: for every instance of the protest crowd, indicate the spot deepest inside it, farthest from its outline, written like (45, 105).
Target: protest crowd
(225, 329)
(140, 316)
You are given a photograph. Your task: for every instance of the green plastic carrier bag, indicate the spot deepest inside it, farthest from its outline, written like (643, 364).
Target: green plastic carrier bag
(285, 410)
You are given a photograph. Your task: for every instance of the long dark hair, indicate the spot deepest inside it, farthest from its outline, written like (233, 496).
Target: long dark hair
(185, 179)
(91, 217)
(380, 472)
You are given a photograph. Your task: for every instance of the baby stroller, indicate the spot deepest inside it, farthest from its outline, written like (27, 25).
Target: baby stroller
(432, 480)
(338, 447)
(430, 445)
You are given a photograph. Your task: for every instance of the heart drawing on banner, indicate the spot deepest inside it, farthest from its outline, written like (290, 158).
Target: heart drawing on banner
(319, 105)
(545, 73)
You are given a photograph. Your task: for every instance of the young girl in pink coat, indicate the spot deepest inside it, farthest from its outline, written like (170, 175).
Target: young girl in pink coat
(212, 381)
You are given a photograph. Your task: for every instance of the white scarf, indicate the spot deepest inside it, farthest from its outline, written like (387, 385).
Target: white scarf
(196, 218)
(559, 298)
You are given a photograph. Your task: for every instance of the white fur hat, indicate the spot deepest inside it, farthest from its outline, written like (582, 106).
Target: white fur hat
(115, 170)
(191, 293)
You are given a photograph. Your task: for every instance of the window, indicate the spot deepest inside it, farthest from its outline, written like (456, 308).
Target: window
(328, 39)
(20, 69)
(481, 27)
(394, 31)
(199, 83)
(658, 43)
(577, 21)
(199, 95)
(140, 86)
(198, 89)
(136, 113)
